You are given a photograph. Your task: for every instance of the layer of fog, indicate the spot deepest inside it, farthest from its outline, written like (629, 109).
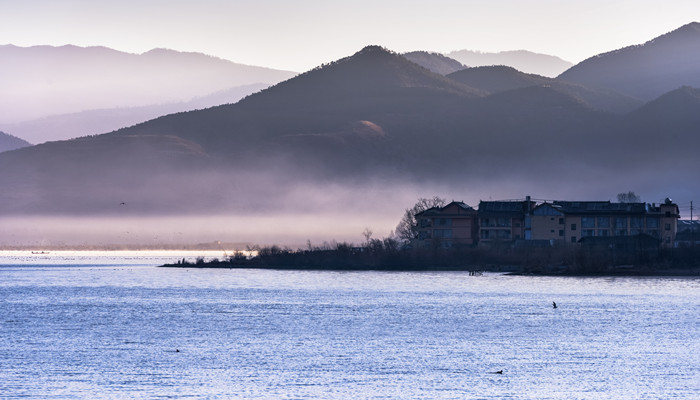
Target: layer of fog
(93, 122)
(272, 212)
(300, 216)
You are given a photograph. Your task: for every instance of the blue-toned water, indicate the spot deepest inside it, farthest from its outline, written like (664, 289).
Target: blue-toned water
(126, 329)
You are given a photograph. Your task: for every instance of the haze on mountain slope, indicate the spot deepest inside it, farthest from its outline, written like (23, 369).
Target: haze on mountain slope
(43, 80)
(9, 142)
(522, 60)
(93, 122)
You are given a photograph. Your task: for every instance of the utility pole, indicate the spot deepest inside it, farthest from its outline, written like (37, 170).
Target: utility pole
(692, 227)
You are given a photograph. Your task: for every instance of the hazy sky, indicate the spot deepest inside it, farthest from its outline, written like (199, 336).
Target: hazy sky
(299, 35)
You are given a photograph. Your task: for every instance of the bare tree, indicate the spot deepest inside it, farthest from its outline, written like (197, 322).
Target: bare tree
(367, 233)
(407, 229)
(629, 197)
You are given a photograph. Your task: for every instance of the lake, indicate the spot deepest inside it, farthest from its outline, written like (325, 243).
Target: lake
(113, 325)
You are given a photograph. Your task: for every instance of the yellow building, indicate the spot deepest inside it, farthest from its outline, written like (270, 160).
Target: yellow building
(569, 221)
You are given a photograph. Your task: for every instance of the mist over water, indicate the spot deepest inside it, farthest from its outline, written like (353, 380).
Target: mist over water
(153, 232)
(262, 209)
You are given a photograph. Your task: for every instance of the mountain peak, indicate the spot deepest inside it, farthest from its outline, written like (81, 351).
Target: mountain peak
(374, 49)
(686, 33)
(372, 70)
(648, 70)
(693, 27)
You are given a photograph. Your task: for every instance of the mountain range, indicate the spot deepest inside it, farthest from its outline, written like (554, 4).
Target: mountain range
(46, 81)
(328, 137)
(96, 121)
(648, 70)
(435, 62)
(9, 142)
(522, 60)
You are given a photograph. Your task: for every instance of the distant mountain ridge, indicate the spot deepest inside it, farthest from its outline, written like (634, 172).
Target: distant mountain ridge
(435, 62)
(9, 142)
(93, 122)
(72, 79)
(522, 60)
(499, 78)
(648, 70)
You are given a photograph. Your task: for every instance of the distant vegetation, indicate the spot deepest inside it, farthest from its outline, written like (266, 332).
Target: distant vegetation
(389, 255)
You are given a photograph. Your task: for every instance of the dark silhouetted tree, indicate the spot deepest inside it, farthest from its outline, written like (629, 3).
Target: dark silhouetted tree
(629, 197)
(407, 229)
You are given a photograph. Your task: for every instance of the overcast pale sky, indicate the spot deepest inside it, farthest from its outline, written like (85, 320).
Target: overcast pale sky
(299, 35)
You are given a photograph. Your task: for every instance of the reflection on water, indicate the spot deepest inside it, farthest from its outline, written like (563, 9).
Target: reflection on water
(127, 329)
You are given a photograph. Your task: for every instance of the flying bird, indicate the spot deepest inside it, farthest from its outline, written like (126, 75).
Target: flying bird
(554, 304)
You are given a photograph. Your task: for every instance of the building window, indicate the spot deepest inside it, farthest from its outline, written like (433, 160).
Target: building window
(423, 235)
(425, 223)
(603, 222)
(573, 239)
(587, 222)
(667, 227)
(573, 227)
(652, 223)
(621, 223)
(603, 232)
(561, 232)
(442, 233)
(561, 221)
(444, 222)
(587, 232)
(636, 225)
(620, 232)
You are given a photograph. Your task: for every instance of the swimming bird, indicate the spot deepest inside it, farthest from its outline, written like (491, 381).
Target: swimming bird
(499, 372)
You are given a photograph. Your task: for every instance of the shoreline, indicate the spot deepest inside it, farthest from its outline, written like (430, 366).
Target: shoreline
(472, 270)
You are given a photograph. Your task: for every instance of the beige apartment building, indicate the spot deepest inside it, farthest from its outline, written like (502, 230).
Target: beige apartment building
(569, 221)
(524, 222)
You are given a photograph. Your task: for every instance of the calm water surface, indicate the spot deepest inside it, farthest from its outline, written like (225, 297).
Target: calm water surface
(112, 325)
